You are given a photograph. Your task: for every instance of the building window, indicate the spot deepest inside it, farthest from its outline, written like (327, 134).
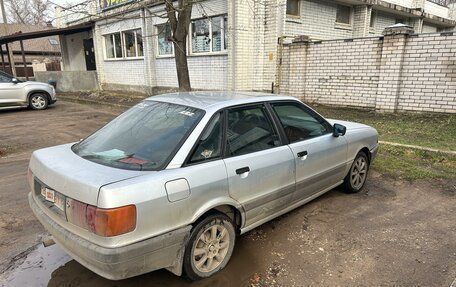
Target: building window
(293, 7)
(133, 44)
(165, 45)
(208, 35)
(113, 45)
(343, 14)
(127, 44)
(200, 36)
(372, 19)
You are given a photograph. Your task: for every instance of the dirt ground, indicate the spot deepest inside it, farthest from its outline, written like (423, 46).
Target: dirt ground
(394, 233)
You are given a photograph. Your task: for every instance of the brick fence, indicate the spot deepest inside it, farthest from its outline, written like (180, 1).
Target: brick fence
(400, 71)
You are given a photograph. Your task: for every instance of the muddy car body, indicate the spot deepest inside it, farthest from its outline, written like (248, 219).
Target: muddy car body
(169, 183)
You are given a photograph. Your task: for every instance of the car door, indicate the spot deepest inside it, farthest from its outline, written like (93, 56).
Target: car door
(320, 158)
(260, 168)
(9, 92)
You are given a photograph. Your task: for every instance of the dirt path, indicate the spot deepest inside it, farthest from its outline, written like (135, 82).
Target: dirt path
(391, 234)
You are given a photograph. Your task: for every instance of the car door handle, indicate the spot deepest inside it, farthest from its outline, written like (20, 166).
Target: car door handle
(302, 153)
(242, 170)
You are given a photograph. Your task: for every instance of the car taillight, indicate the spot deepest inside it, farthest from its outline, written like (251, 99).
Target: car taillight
(113, 221)
(101, 221)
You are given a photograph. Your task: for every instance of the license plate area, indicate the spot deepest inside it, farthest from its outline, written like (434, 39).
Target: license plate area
(53, 199)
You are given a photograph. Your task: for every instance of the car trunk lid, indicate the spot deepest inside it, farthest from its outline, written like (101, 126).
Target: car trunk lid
(60, 169)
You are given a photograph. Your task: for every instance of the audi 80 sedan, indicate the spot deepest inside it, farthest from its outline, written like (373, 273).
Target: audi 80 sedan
(173, 180)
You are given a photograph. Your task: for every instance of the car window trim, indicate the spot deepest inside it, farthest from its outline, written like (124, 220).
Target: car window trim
(195, 145)
(278, 124)
(306, 108)
(244, 106)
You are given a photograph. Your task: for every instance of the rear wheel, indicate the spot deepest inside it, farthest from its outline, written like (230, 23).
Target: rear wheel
(38, 101)
(210, 247)
(356, 177)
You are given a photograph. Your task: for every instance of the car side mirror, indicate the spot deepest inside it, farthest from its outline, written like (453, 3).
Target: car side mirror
(14, 81)
(339, 130)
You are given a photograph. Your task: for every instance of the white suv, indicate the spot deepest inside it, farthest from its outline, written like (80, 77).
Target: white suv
(15, 93)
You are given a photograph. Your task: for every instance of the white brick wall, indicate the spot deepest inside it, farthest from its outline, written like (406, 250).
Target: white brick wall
(207, 73)
(401, 72)
(429, 76)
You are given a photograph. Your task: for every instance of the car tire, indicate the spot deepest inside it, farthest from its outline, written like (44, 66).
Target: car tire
(357, 175)
(38, 101)
(210, 246)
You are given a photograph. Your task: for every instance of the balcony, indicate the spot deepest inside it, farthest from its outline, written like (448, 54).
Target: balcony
(444, 3)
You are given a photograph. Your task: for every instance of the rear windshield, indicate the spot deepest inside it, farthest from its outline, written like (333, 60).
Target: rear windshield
(142, 138)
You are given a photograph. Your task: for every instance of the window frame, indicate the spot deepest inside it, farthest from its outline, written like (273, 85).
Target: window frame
(157, 32)
(350, 16)
(268, 114)
(298, 15)
(304, 107)
(136, 43)
(122, 45)
(223, 50)
(188, 159)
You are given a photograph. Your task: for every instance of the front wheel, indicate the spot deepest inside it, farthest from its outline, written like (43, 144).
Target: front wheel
(38, 101)
(356, 177)
(210, 247)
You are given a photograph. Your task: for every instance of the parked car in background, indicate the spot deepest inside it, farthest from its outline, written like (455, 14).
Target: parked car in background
(172, 181)
(15, 93)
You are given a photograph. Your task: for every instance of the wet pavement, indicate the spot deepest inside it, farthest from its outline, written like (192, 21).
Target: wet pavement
(51, 266)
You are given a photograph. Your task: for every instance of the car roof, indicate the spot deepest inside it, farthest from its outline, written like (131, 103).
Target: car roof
(210, 100)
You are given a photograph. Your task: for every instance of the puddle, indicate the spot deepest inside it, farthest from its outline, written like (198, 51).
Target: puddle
(37, 268)
(51, 266)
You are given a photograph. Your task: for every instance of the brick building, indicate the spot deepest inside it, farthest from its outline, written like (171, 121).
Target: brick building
(232, 44)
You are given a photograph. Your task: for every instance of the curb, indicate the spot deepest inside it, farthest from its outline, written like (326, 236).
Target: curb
(450, 152)
(89, 101)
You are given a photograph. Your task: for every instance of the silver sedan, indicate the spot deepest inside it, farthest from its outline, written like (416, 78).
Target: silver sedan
(172, 181)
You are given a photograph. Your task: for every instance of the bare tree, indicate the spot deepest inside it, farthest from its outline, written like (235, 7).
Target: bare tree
(179, 19)
(28, 11)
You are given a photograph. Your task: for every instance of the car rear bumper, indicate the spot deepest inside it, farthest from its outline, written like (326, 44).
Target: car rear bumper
(164, 251)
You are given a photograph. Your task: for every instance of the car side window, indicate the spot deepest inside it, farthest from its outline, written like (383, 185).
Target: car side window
(300, 123)
(210, 143)
(4, 79)
(249, 130)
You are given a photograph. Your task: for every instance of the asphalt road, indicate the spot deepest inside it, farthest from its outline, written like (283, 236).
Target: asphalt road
(391, 234)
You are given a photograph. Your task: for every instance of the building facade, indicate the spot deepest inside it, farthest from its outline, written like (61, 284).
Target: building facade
(231, 44)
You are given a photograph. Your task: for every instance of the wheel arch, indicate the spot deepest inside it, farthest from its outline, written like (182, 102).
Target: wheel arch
(31, 93)
(231, 209)
(367, 152)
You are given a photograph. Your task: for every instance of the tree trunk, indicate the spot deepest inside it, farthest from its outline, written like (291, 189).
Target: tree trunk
(180, 54)
(179, 26)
